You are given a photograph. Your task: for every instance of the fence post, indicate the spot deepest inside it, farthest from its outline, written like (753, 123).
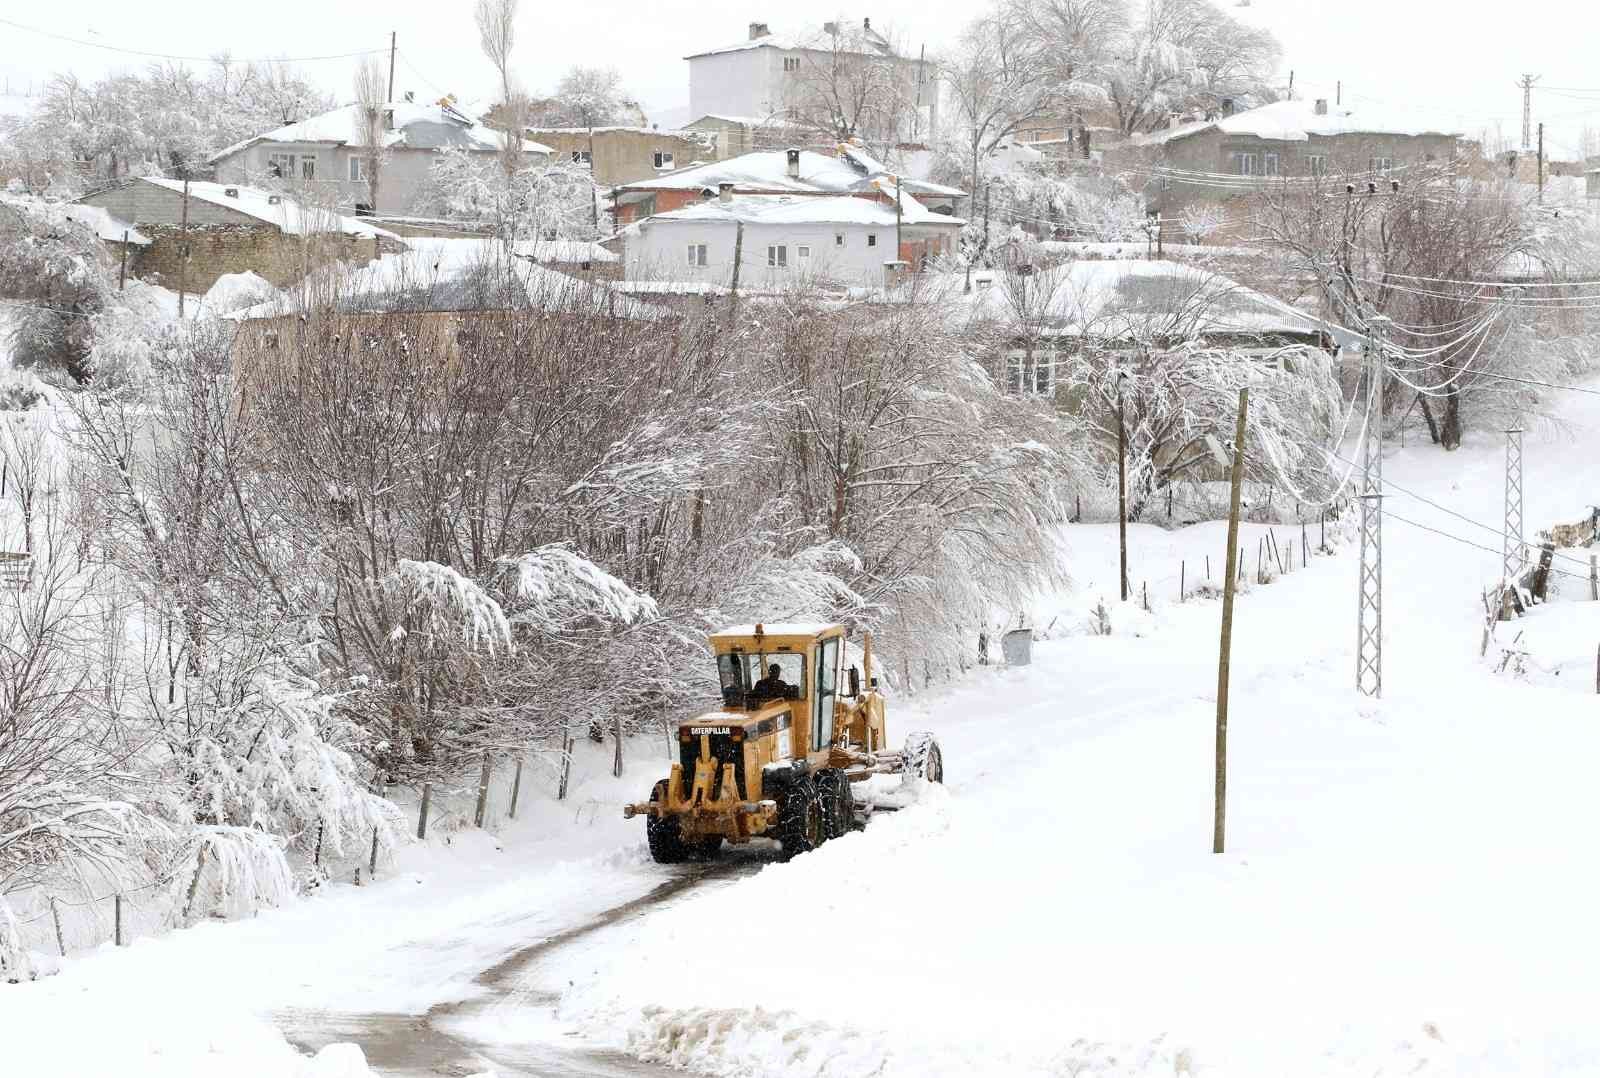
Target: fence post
(483, 790)
(1594, 577)
(61, 942)
(1181, 568)
(194, 884)
(516, 788)
(117, 906)
(566, 764)
(616, 765)
(316, 858)
(422, 817)
(1305, 547)
(373, 864)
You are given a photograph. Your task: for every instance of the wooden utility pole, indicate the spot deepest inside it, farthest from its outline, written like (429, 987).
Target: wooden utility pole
(1122, 489)
(183, 250)
(738, 257)
(1219, 817)
(122, 274)
(391, 65)
(897, 241)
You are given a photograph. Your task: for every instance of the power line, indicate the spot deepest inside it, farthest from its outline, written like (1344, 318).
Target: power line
(180, 56)
(1469, 542)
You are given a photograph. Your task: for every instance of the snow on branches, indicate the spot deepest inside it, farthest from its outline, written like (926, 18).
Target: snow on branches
(554, 589)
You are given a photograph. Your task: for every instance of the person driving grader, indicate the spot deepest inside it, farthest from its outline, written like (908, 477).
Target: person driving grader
(773, 685)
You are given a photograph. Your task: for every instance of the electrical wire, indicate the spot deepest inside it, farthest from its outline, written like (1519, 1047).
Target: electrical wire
(1468, 542)
(180, 56)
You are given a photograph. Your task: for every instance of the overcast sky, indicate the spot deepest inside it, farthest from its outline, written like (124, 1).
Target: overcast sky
(1457, 59)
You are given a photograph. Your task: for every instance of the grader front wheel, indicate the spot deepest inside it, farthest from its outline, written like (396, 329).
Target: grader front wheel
(801, 825)
(923, 758)
(663, 833)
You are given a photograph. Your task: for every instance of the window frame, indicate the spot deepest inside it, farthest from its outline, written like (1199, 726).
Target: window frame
(777, 256)
(663, 160)
(283, 165)
(1384, 169)
(697, 255)
(1269, 164)
(802, 251)
(1316, 164)
(872, 239)
(1243, 162)
(358, 169)
(1043, 383)
(308, 166)
(838, 239)
(827, 692)
(582, 157)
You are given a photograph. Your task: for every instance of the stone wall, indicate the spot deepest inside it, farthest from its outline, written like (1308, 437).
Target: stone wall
(626, 154)
(218, 249)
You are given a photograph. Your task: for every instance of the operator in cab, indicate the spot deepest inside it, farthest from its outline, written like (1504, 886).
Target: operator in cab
(772, 686)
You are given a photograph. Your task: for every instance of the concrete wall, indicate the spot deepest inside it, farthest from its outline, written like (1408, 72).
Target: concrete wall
(218, 249)
(733, 84)
(626, 155)
(660, 252)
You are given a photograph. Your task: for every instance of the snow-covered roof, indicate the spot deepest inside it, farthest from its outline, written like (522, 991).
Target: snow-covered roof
(1298, 120)
(564, 251)
(269, 206)
(415, 127)
(781, 628)
(817, 37)
(850, 170)
(805, 209)
(463, 275)
(105, 226)
(1119, 298)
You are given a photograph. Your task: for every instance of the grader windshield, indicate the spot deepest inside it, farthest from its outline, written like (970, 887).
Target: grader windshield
(750, 678)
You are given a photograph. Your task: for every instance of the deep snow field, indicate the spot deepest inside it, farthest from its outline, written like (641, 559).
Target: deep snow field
(1408, 887)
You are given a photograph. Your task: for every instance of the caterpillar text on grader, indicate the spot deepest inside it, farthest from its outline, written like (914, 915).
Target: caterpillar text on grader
(778, 760)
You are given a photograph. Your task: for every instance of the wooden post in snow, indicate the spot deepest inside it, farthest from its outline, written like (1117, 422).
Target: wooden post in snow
(1594, 578)
(483, 790)
(422, 816)
(1181, 567)
(122, 274)
(1219, 816)
(117, 910)
(616, 764)
(516, 788)
(1122, 489)
(61, 941)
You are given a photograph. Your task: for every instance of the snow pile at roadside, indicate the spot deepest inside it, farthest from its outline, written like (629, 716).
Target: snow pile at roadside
(236, 291)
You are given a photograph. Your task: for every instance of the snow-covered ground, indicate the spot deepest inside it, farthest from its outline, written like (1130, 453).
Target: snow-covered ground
(1406, 888)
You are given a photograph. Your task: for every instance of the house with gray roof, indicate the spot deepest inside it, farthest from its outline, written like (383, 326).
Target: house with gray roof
(331, 151)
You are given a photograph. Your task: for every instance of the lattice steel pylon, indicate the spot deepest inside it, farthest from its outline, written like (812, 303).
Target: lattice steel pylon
(1515, 551)
(1369, 619)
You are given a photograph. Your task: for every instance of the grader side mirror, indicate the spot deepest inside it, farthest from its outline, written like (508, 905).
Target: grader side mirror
(855, 681)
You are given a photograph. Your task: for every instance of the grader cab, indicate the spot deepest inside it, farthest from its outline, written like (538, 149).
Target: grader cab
(796, 729)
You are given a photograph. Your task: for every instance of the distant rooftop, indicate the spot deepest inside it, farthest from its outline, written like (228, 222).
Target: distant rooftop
(846, 35)
(415, 126)
(1298, 120)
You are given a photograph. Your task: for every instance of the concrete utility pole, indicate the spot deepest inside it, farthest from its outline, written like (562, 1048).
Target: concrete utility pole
(1225, 655)
(1513, 552)
(1122, 487)
(1527, 109)
(1369, 619)
(1541, 164)
(391, 66)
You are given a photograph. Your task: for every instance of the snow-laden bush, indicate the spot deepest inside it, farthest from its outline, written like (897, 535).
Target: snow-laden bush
(236, 291)
(59, 276)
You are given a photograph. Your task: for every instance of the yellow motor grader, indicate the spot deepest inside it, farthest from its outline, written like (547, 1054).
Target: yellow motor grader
(779, 757)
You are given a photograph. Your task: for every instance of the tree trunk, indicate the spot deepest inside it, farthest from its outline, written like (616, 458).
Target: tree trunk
(1450, 425)
(1427, 415)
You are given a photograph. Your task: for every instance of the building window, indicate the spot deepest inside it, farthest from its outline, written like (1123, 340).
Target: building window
(791, 63)
(697, 254)
(662, 159)
(1317, 164)
(778, 256)
(308, 168)
(270, 341)
(582, 157)
(872, 240)
(1244, 164)
(1381, 165)
(281, 165)
(1269, 164)
(838, 239)
(802, 252)
(1042, 382)
(358, 170)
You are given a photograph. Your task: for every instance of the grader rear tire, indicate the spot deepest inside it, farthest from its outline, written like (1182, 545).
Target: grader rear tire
(838, 802)
(664, 833)
(801, 827)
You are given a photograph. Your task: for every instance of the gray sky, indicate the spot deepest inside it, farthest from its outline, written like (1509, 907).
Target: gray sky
(1458, 61)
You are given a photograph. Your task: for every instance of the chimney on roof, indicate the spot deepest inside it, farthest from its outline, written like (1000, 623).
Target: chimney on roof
(866, 26)
(759, 30)
(1322, 106)
(831, 29)
(793, 163)
(724, 191)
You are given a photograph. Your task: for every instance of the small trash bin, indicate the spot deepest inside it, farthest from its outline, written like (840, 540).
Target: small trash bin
(1017, 647)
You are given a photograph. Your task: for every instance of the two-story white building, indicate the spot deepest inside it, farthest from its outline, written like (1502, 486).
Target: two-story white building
(332, 151)
(763, 78)
(781, 241)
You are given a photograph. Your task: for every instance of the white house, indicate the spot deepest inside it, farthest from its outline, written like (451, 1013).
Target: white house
(758, 79)
(331, 149)
(787, 240)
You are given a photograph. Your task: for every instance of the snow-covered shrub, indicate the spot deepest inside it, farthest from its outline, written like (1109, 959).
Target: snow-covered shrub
(236, 291)
(59, 276)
